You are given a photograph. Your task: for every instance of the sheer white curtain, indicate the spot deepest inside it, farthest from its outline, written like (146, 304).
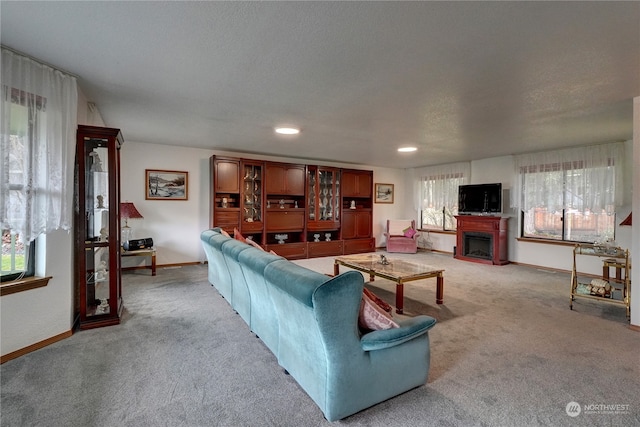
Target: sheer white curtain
(440, 183)
(586, 178)
(39, 115)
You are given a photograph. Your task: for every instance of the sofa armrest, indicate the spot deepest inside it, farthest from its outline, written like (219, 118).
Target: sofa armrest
(409, 329)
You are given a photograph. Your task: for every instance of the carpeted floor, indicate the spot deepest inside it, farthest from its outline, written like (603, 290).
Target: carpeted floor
(507, 351)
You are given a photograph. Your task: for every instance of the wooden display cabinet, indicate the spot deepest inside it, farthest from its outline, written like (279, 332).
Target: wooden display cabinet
(295, 210)
(97, 227)
(225, 201)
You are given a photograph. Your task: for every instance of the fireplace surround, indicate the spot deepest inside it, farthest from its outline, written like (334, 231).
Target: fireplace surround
(482, 238)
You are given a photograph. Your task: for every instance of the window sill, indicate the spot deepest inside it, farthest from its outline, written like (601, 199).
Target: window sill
(436, 231)
(23, 285)
(546, 241)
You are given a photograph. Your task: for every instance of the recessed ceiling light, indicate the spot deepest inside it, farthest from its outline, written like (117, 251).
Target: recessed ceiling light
(407, 149)
(287, 131)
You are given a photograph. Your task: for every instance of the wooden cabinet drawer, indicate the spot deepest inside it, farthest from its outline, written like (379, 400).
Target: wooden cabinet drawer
(227, 217)
(317, 249)
(285, 220)
(251, 227)
(289, 250)
(355, 246)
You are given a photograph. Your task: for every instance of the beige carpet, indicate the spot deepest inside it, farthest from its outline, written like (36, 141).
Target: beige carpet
(507, 351)
(506, 340)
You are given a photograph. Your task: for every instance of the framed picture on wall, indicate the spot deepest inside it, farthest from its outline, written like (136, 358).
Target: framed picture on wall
(166, 185)
(383, 193)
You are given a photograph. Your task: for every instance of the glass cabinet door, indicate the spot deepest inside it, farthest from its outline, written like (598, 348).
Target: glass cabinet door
(336, 196)
(97, 273)
(325, 188)
(311, 192)
(324, 195)
(97, 226)
(97, 190)
(252, 194)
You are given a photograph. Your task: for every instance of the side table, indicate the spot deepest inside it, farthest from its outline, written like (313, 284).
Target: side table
(151, 252)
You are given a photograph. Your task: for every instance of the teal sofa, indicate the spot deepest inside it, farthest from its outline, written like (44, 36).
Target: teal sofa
(310, 323)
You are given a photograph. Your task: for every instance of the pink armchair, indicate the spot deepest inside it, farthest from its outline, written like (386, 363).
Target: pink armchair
(402, 236)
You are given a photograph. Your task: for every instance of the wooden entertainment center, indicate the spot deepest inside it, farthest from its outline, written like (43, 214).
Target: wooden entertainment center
(296, 210)
(482, 238)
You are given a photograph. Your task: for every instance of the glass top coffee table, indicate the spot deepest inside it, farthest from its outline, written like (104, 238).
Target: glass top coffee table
(395, 270)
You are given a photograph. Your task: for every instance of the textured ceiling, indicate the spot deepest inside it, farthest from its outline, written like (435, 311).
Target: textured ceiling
(458, 80)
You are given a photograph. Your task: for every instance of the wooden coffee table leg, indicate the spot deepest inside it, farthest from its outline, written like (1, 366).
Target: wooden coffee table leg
(336, 268)
(399, 298)
(440, 290)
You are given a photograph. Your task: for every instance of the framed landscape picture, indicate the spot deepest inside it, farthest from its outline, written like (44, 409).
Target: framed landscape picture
(383, 193)
(166, 185)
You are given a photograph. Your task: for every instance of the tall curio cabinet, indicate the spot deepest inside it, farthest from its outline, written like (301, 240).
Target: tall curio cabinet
(97, 227)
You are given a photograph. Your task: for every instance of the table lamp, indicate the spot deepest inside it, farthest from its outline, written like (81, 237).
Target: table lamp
(128, 211)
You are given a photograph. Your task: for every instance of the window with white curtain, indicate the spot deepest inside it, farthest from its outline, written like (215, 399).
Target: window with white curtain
(570, 194)
(439, 194)
(38, 110)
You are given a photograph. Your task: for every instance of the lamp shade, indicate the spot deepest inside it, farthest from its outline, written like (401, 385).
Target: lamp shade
(627, 220)
(128, 211)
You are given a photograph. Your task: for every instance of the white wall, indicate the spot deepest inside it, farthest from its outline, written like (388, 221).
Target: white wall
(174, 225)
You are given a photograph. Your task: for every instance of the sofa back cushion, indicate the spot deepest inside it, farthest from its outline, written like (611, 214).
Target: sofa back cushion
(295, 280)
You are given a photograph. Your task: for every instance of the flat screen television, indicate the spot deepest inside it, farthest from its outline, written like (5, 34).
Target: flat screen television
(480, 199)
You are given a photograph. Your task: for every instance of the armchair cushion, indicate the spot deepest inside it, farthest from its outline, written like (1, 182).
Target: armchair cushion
(373, 317)
(381, 303)
(409, 232)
